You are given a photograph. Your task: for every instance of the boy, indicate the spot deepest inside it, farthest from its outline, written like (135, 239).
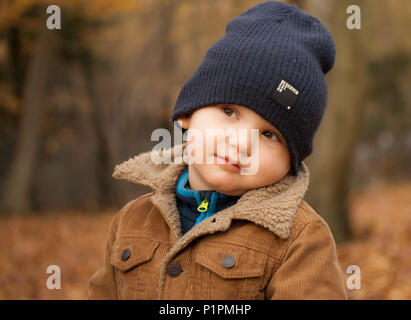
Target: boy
(207, 231)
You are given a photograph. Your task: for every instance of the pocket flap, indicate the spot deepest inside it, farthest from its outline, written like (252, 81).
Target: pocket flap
(246, 262)
(129, 252)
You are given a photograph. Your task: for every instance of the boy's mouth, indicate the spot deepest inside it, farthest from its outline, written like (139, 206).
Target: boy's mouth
(227, 162)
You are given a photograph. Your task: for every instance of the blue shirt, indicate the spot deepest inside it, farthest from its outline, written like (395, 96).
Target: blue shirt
(196, 205)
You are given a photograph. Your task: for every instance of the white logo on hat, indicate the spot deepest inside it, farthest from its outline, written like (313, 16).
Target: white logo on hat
(284, 84)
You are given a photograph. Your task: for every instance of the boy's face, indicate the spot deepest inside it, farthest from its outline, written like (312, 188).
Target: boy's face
(272, 151)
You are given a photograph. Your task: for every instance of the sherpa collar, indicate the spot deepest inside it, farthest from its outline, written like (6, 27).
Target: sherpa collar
(273, 207)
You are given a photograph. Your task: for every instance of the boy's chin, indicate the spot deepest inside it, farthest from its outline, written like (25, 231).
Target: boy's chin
(220, 179)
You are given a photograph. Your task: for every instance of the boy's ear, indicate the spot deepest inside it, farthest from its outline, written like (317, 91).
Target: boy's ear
(184, 122)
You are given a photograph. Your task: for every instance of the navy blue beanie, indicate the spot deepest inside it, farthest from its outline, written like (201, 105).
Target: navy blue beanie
(272, 59)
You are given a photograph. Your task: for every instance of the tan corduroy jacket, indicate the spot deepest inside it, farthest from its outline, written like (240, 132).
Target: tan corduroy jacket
(269, 245)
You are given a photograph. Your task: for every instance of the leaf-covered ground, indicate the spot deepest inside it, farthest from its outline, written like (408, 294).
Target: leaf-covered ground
(381, 224)
(381, 248)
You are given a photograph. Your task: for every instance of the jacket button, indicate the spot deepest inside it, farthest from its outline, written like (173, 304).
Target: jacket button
(125, 254)
(228, 261)
(174, 269)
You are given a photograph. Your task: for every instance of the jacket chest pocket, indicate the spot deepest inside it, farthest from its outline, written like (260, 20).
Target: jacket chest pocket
(132, 259)
(226, 271)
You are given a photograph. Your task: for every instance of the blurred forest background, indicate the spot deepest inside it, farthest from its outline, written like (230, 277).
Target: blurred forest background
(77, 101)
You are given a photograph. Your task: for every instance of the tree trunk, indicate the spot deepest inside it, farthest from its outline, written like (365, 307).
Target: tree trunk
(167, 58)
(16, 189)
(330, 164)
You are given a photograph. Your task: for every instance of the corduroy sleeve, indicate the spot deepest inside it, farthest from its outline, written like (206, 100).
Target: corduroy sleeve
(310, 268)
(102, 285)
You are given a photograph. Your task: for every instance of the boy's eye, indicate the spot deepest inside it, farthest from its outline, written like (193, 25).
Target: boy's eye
(229, 111)
(270, 135)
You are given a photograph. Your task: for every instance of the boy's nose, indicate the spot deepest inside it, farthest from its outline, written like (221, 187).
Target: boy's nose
(242, 144)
